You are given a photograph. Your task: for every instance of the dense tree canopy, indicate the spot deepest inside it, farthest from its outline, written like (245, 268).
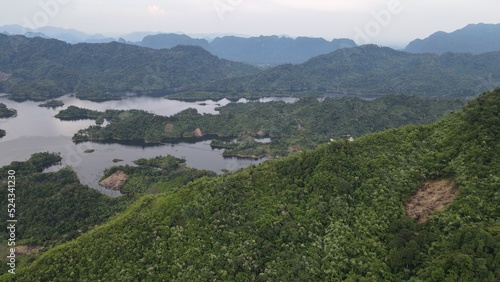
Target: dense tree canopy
(292, 127)
(157, 175)
(41, 69)
(50, 208)
(332, 214)
(52, 104)
(368, 69)
(6, 112)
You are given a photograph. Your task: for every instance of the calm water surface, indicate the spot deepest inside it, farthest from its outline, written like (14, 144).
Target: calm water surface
(36, 130)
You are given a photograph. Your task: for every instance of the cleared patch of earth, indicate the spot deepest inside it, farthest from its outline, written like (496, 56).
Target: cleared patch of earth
(115, 181)
(24, 250)
(4, 76)
(198, 132)
(432, 196)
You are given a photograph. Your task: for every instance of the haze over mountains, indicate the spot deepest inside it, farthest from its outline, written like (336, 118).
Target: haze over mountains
(376, 70)
(276, 50)
(474, 38)
(71, 36)
(415, 203)
(262, 50)
(39, 69)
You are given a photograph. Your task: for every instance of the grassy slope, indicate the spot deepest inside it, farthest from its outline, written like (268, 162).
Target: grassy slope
(332, 214)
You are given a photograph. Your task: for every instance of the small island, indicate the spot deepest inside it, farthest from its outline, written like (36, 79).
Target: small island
(238, 127)
(168, 170)
(6, 112)
(76, 113)
(52, 104)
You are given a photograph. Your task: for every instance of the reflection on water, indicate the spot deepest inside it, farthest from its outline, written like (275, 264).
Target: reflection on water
(36, 130)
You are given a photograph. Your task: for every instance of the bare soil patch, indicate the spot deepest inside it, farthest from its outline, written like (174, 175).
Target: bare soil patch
(25, 250)
(4, 76)
(114, 181)
(432, 196)
(169, 127)
(198, 133)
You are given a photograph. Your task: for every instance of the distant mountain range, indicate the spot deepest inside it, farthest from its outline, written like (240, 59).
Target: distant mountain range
(68, 35)
(474, 38)
(370, 69)
(38, 68)
(262, 50)
(269, 51)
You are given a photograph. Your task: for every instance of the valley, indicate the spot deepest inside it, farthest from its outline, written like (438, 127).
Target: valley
(300, 217)
(304, 159)
(190, 72)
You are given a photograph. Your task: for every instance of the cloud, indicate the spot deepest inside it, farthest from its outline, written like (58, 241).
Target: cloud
(156, 10)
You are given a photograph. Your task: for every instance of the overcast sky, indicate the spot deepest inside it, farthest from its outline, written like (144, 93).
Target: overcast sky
(387, 22)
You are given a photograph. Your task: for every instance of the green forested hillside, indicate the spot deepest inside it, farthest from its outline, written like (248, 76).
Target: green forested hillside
(292, 127)
(54, 207)
(333, 214)
(51, 208)
(371, 69)
(39, 69)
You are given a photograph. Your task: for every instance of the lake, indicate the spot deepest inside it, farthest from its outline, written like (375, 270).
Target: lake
(35, 129)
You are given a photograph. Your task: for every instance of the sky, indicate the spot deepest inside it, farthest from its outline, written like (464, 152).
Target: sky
(384, 22)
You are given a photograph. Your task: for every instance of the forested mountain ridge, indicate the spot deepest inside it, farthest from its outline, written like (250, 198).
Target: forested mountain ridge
(334, 214)
(39, 69)
(474, 38)
(376, 70)
(261, 50)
